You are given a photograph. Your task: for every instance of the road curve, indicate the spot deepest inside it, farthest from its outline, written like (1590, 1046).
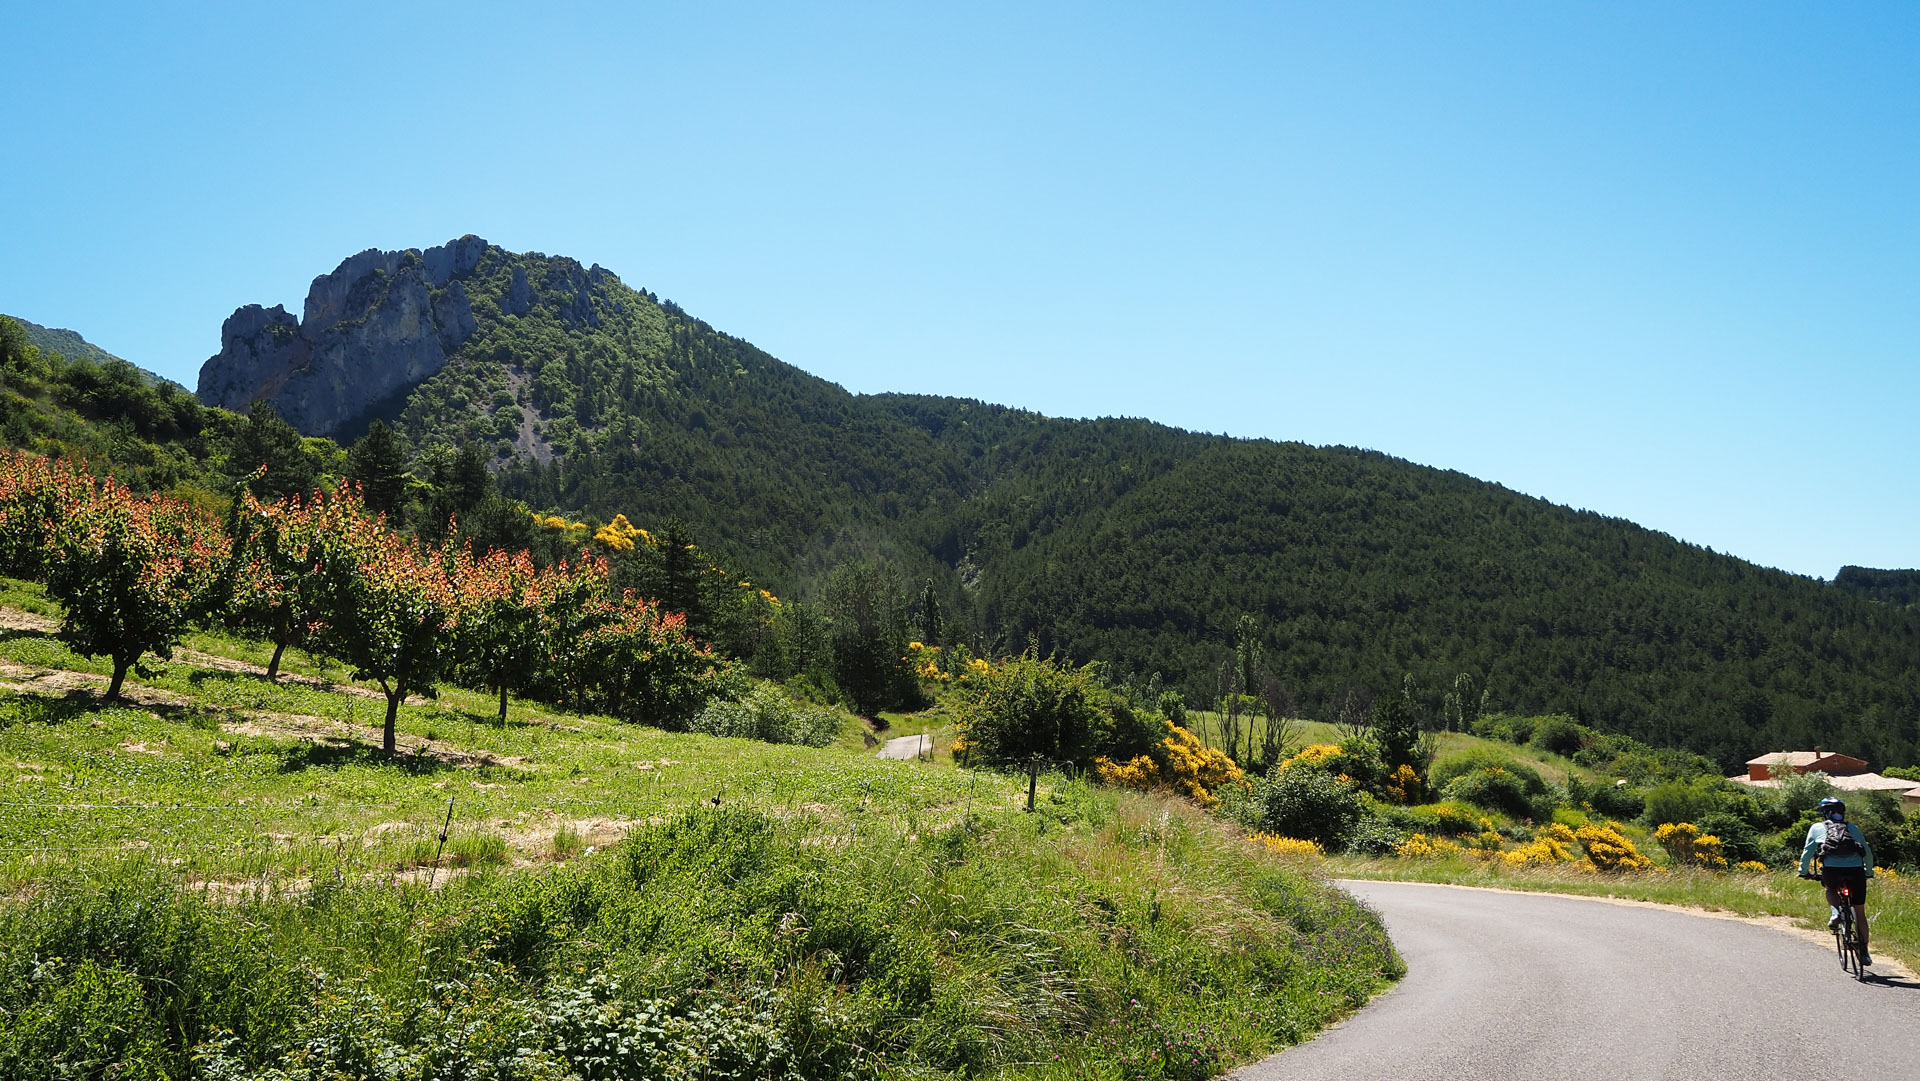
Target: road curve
(1537, 987)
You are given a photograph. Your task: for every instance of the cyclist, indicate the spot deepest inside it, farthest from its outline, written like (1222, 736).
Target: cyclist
(1846, 861)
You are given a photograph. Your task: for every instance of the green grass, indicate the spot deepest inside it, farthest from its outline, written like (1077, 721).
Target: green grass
(1893, 909)
(232, 870)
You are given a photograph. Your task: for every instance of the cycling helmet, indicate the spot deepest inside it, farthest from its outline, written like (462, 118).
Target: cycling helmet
(1832, 806)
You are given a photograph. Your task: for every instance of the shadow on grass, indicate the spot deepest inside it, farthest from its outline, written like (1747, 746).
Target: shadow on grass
(489, 718)
(8, 634)
(41, 709)
(337, 754)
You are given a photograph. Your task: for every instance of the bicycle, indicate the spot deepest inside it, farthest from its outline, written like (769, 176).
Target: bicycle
(1846, 942)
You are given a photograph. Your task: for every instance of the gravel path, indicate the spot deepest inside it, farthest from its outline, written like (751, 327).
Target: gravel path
(1536, 987)
(905, 748)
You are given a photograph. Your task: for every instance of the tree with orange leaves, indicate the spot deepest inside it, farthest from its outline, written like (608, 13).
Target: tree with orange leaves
(132, 573)
(389, 608)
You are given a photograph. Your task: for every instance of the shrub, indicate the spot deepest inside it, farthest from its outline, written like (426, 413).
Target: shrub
(1030, 707)
(1495, 789)
(1504, 727)
(1451, 819)
(1310, 805)
(1290, 847)
(1611, 799)
(1557, 735)
(1419, 846)
(1179, 762)
(1609, 850)
(1479, 758)
(1690, 847)
(1684, 801)
(1553, 844)
(767, 714)
(1357, 762)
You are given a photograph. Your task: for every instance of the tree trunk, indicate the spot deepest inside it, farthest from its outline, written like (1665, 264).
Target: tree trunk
(273, 666)
(120, 666)
(394, 696)
(503, 703)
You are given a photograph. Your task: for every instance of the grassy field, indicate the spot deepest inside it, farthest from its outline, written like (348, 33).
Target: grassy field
(223, 876)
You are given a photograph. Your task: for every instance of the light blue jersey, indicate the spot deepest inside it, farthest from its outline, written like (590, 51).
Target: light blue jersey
(1817, 833)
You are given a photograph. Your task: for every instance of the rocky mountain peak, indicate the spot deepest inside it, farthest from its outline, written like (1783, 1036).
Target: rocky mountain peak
(382, 321)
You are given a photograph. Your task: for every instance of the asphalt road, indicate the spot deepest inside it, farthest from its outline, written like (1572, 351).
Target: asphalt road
(1545, 988)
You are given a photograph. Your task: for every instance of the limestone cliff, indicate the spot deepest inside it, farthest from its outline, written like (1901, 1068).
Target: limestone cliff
(380, 323)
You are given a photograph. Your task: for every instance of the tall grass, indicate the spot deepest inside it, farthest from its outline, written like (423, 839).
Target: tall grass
(1102, 937)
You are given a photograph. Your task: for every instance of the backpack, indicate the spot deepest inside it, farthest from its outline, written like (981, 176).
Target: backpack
(1839, 842)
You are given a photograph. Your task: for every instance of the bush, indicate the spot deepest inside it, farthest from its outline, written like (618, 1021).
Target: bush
(1684, 801)
(1558, 735)
(1449, 819)
(1609, 799)
(1479, 758)
(1504, 727)
(1178, 762)
(1357, 760)
(1608, 849)
(767, 714)
(1494, 789)
(1309, 805)
(1028, 707)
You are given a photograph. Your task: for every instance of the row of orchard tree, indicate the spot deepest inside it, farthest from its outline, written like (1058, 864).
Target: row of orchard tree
(135, 572)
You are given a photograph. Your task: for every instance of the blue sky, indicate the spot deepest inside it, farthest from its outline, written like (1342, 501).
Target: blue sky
(1659, 261)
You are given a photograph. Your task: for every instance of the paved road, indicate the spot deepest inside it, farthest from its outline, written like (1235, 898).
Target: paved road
(1507, 986)
(904, 747)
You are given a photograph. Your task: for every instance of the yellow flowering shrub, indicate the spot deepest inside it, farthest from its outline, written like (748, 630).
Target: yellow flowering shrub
(1141, 773)
(1185, 765)
(1551, 845)
(1405, 786)
(927, 662)
(1609, 850)
(1754, 866)
(1885, 872)
(1689, 847)
(1419, 846)
(1290, 847)
(618, 534)
(1317, 754)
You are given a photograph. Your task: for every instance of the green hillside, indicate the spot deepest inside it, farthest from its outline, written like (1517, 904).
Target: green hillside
(1145, 546)
(69, 344)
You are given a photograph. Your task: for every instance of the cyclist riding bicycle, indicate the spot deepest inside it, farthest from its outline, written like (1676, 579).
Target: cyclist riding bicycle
(1846, 861)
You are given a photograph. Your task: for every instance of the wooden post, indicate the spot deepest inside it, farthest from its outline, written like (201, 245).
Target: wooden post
(1033, 780)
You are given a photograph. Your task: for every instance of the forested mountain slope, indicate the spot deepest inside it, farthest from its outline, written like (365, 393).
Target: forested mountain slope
(1117, 540)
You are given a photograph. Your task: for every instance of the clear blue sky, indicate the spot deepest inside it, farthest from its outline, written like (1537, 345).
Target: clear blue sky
(1660, 261)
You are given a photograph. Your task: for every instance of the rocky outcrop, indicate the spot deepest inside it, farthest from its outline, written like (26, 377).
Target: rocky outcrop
(381, 322)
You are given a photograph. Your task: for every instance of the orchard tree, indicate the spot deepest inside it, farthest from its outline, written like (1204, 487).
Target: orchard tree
(389, 609)
(270, 587)
(36, 494)
(132, 574)
(501, 608)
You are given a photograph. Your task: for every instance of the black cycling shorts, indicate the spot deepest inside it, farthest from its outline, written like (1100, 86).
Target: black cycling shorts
(1852, 879)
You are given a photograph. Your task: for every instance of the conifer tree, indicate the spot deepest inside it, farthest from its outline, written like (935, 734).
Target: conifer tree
(378, 464)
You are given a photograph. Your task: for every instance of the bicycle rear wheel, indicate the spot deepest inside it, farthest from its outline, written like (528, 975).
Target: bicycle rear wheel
(1842, 942)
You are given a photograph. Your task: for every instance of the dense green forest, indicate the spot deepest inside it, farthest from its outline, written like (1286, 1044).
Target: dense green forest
(1900, 588)
(1151, 549)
